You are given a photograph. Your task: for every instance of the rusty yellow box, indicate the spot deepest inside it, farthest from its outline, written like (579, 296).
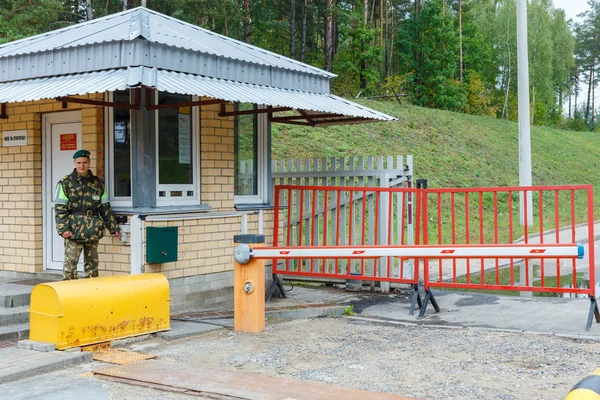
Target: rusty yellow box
(87, 311)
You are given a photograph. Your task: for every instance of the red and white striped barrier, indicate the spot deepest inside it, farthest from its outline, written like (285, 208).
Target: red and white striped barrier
(426, 251)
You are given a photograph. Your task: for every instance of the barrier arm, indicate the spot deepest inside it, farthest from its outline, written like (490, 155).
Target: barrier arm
(525, 251)
(422, 251)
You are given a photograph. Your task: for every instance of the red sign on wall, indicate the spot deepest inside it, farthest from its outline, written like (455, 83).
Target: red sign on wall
(68, 141)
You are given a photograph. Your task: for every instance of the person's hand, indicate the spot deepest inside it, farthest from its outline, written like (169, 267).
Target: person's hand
(67, 235)
(118, 234)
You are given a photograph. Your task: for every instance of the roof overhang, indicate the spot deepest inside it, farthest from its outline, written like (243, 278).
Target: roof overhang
(315, 109)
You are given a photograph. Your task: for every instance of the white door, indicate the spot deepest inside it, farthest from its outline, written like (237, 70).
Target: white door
(61, 138)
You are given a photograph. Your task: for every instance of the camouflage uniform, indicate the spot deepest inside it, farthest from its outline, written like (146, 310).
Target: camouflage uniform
(82, 208)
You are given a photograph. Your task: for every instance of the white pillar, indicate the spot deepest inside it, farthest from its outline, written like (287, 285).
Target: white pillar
(524, 131)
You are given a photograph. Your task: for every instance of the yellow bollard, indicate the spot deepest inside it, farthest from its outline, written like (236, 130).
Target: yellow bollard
(87, 311)
(248, 286)
(586, 389)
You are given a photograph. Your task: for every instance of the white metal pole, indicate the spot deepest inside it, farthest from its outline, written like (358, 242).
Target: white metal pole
(524, 131)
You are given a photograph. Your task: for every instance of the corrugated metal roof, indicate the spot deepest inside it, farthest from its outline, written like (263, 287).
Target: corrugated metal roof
(79, 84)
(174, 82)
(157, 28)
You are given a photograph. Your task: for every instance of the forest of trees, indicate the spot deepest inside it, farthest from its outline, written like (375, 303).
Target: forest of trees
(456, 55)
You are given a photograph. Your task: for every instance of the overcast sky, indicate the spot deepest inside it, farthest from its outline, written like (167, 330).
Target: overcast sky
(572, 7)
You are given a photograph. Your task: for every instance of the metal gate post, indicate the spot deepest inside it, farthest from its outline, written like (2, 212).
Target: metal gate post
(384, 219)
(248, 285)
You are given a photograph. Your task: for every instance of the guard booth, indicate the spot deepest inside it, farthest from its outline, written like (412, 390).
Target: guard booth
(170, 113)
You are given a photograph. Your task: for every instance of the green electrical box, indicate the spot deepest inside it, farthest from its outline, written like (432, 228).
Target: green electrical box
(161, 244)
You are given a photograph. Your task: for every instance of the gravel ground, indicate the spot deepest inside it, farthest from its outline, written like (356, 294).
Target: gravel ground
(418, 361)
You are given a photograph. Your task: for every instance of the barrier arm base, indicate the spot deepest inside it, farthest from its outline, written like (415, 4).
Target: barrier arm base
(276, 286)
(416, 299)
(593, 312)
(428, 298)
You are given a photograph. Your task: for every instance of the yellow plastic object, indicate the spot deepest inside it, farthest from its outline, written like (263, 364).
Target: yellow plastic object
(86, 311)
(586, 389)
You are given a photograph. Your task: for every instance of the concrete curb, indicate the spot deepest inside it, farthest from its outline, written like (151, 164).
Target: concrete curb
(308, 312)
(180, 329)
(183, 329)
(56, 360)
(423, 324)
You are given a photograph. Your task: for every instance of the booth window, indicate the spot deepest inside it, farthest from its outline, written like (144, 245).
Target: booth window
(250, 141)
(176, 159)
(176, 165)
(120, 149)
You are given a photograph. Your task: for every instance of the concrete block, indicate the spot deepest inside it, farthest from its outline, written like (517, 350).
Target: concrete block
(73, 350)
(14, 316)
(35, 345)
(14, 332)
(190, 280)
(215, 285)
(180, 329)
(25, 344)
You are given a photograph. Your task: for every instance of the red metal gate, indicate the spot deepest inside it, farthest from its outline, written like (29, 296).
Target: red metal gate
(477, 217)
(477, 238)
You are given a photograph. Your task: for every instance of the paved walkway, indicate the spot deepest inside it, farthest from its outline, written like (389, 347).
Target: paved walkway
(18, 363)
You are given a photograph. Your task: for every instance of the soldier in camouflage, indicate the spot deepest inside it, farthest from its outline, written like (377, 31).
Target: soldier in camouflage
(82, 213)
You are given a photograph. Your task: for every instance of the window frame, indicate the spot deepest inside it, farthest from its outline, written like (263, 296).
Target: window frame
(262, 160)
(196, 156)
(127, 201)
(109, 119)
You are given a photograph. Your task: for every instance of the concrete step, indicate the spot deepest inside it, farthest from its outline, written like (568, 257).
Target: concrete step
(16, 292)
(14, 332)
(14, 300)
(14, 315)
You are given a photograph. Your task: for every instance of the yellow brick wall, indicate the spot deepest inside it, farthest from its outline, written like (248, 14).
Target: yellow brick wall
(115, 256)
(206, 245)
(21, 179)
(217, 158)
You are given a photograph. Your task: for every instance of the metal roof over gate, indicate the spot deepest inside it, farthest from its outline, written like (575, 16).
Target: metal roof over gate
(143, 48)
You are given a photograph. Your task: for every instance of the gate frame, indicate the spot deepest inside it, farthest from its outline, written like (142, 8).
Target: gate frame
(422, 217)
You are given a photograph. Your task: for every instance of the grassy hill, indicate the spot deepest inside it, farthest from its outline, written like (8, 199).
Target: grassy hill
(452, 149)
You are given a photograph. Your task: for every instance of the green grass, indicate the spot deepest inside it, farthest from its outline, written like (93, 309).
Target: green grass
(452, 149)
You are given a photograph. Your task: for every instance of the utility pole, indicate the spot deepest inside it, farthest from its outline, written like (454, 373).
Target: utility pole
(525, 204)
(524, 131)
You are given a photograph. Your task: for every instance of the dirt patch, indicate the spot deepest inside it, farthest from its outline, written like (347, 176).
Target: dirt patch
(418, 361)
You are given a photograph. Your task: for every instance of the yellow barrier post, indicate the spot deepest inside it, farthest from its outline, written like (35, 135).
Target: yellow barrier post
(88, 311)
(586, 389)
(249, 285)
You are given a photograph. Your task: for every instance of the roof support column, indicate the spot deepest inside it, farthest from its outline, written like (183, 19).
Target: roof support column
(143, 152)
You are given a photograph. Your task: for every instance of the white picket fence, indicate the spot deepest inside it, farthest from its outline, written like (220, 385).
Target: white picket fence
(385, 172)
(390, 171)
